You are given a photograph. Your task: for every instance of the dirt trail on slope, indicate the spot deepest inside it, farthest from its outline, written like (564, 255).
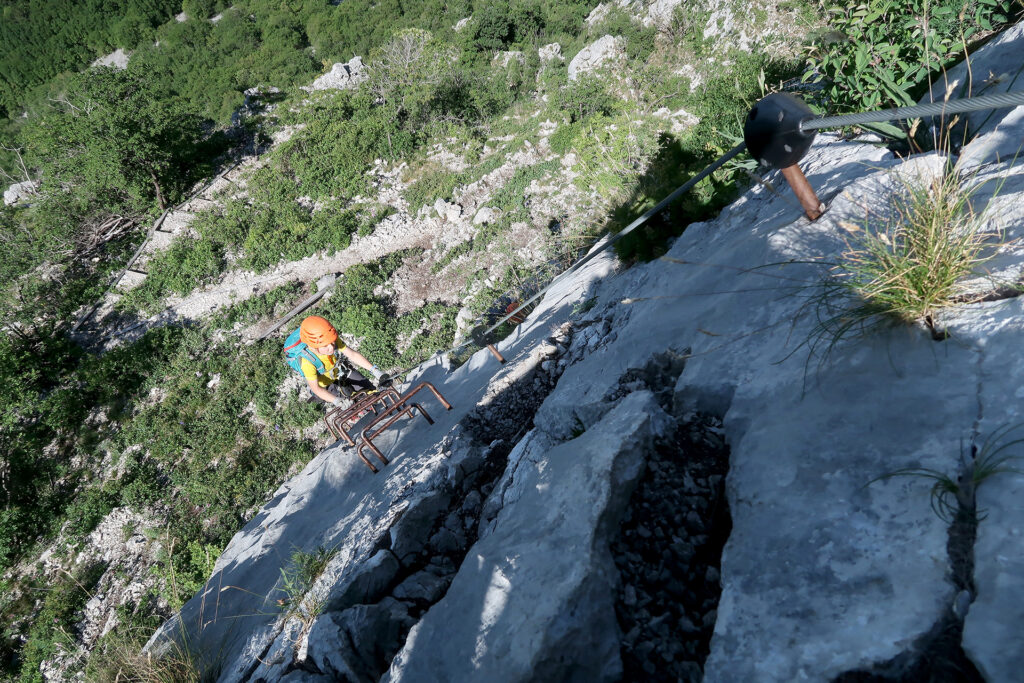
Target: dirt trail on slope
(400, 231)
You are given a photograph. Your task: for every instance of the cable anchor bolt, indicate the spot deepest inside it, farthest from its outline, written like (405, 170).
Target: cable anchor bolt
(774, 136)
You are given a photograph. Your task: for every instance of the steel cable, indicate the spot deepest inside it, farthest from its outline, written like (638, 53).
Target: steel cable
(998, 101)
(688, 185)
(1008, 99)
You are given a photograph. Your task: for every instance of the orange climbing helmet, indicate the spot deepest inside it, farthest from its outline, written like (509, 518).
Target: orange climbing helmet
(317, 332)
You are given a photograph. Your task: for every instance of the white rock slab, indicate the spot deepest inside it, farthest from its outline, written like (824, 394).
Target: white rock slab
(20, 192)
(342, 76)
(992, 627)
(822, 574)
(534, 600)
(117, 59)
(552, 52)
(604, 49)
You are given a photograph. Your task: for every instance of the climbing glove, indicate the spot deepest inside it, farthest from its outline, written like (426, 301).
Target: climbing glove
(342, 402)
(380, 378)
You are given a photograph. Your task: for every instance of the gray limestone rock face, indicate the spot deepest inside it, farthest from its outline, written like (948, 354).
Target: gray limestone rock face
(485, 215)
(369, 585)
(411, 531)
(352, 645)
(118, 59)
(604, 49)
(342, 76)
(447, 211)
(422, 586)
(552, 52)
(659, 13)
(506, 57)
(992, 625)
(534, 599)
(20, 192)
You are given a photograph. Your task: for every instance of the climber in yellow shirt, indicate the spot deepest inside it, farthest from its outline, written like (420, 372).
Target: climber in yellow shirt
(337, 382)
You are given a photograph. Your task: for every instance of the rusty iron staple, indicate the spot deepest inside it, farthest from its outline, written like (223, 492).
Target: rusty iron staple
(408, 409)
(337, 418)
(401, 408)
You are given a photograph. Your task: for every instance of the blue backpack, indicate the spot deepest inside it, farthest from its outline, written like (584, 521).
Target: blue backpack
(295, 350)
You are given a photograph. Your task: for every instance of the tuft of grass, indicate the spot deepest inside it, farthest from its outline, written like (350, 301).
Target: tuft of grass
(906, 265)
(121, 660)
(433, 182)
(297, 578)
(953, 495)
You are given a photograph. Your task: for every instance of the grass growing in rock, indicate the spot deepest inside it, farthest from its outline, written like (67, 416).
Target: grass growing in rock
(906, 263)
(955, 494)
(938, 654)
(296, 581)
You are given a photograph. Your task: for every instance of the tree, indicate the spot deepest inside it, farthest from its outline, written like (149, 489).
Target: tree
(407, 71)
(113, 136)
(494, 28)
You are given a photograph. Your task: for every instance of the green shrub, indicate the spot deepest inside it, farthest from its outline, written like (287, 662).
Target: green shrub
(640, 40)
(61, 609)
(372, 217)
(424, 344)
(494, 28)
(185, 568)
(344, 133)
(38, 42)
(587, 96)
(91, 506)
(511, 198)
(268, 304)
(880, 53)
(561, 141)
(188, 263)
(297, 577)
(613, 153)
(198, 9)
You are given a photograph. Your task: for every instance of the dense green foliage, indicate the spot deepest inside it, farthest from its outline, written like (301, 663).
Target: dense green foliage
(181, 443)
(344, 133)
(63, 603)
(113, 151)
(880, 53)
(39, 40)
(116, 141)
